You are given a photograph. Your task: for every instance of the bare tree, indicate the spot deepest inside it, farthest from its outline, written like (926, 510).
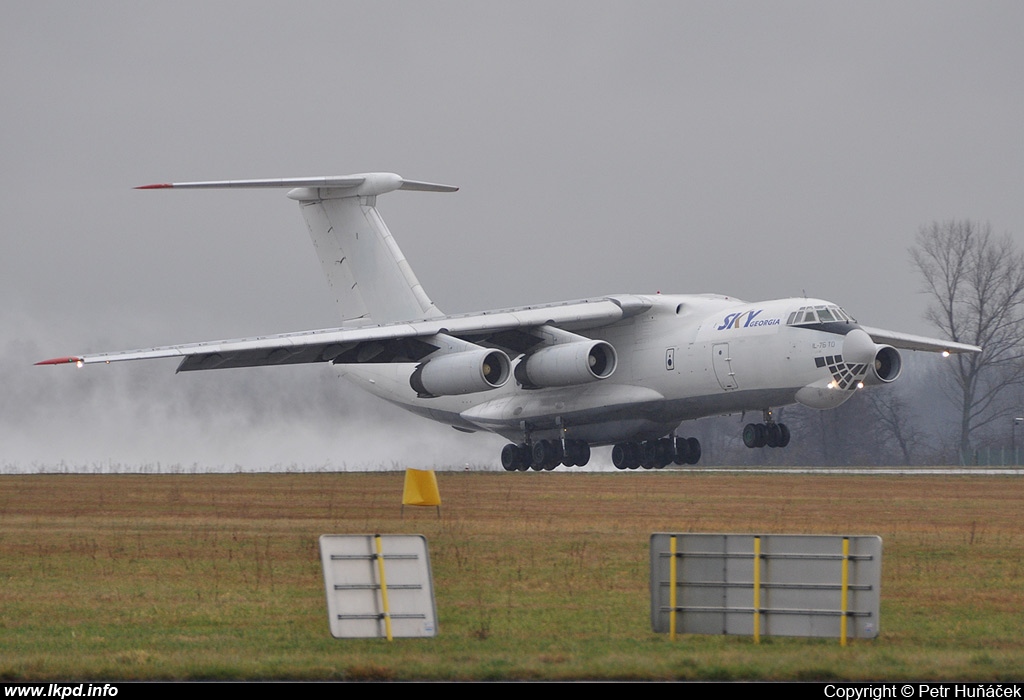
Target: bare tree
(896, 424)
(976, 281)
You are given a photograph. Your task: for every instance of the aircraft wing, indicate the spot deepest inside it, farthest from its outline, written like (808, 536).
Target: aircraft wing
(508, 329)
(906, 341)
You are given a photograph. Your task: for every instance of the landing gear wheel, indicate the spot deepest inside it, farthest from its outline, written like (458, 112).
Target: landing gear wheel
(627, 455)
(750, 435)
(540, 456)
(783, 435)
(582, 453)
(577, 453)
(693, 451)
(665, 452)
(619, 456)
(510, 460)
(546, 454)
(650, 460)
(762, 434)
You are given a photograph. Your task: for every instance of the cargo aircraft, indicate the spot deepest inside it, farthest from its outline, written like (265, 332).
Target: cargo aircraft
(625, 370)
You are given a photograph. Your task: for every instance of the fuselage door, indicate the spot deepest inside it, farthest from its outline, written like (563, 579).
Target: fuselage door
(722, 362)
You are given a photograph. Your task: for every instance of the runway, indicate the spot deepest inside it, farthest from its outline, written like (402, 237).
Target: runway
(871, 471)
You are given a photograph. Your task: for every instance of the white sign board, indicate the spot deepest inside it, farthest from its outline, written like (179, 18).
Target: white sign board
(378, 586)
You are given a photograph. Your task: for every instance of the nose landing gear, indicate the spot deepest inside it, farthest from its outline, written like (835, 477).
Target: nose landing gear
(769, 433)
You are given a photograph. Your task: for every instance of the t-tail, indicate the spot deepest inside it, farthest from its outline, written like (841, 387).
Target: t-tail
(367, 272)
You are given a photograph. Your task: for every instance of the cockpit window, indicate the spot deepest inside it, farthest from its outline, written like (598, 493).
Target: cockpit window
(842, 315)
(818, 314)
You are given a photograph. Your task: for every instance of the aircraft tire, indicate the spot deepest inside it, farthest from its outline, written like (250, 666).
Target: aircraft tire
(664, 453)
(783, 435)
(620, 456)
(650, 458)
(510, 458)
(542, 453)
(525, 457)
(582, 453)
(762, 434)
(682, 451)
(557, 454)
(772, 435)
(750, 435)
(693, 451)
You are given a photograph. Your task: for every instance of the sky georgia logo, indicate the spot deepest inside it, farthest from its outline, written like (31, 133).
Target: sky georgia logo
(736, 320)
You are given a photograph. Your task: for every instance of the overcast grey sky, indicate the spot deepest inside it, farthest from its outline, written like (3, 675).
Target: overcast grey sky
(754, 149)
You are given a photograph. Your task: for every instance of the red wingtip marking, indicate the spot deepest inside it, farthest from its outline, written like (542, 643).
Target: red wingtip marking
(158, 186)
(60, 361)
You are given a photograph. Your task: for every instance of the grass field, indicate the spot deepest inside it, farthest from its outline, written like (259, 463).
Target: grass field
(537, 575)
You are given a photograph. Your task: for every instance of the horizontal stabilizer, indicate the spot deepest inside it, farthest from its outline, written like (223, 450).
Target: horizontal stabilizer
(362, 184)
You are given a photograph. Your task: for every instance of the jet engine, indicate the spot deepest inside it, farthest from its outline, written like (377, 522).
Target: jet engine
(567, 364)
(862, 357)
(883, 361)
(463, 372)
(886, 366)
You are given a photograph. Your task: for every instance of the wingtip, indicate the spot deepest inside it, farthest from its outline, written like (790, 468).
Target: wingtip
(157, 186)
(60, 361)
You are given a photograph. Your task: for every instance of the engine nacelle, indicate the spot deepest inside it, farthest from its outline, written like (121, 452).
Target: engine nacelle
(883, 361)
(886, 367)
(459, 373)
(567, 364)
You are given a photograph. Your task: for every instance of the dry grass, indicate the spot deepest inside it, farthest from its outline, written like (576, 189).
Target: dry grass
(537, 575)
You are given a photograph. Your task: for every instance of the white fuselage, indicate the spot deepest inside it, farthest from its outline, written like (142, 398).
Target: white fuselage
(686, 357)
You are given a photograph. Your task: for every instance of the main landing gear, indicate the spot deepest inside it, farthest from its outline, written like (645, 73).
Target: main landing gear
(548, 454)
(655, 454)
(545, 454)
(769, 433)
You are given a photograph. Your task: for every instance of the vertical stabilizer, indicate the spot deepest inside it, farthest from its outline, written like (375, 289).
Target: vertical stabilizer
(365, 268)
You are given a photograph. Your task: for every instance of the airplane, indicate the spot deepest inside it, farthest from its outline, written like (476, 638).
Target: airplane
(556, 379)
